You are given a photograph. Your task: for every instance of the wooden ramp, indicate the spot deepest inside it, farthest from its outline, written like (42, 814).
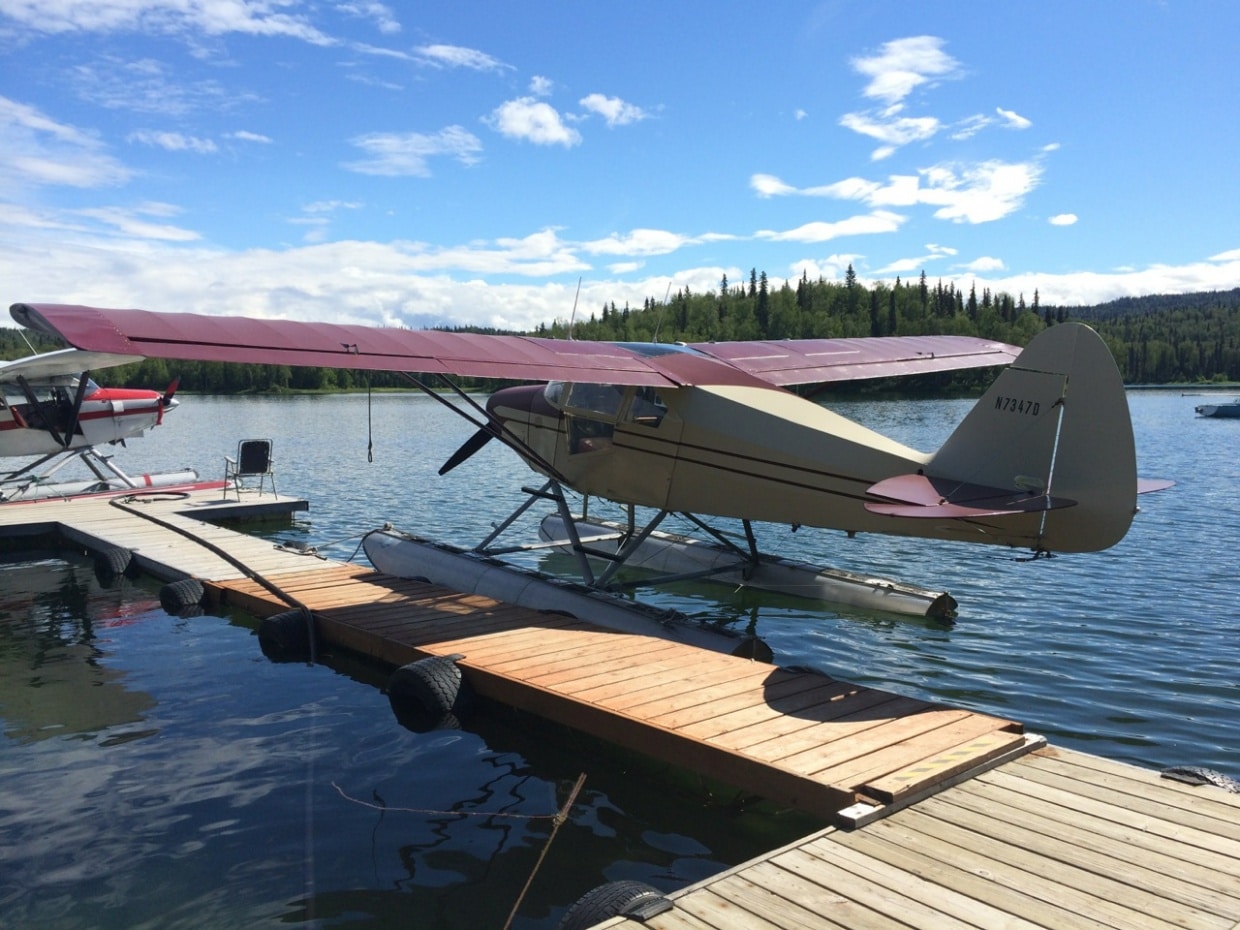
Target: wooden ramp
(1055, 839)
(799, 738)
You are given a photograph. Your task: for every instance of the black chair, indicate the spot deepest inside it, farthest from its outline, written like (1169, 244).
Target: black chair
(254, 460)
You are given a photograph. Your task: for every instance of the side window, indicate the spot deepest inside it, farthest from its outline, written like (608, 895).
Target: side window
(591, 410)
(647, 408)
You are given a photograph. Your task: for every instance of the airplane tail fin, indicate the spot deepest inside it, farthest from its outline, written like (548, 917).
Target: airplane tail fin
(1045, 459)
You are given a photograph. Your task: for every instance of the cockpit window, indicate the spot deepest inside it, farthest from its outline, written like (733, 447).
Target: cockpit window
(597, 401)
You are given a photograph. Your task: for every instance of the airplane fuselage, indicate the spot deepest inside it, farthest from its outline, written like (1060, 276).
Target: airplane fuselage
(106, 415)
(730, 451)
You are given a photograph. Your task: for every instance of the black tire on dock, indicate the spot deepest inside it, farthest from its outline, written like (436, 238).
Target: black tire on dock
(285, 637)
(115, 562)
(429, 694)
(181, 598)
(612, 900)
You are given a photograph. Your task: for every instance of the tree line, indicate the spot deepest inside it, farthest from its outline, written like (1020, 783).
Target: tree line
(1158, 339)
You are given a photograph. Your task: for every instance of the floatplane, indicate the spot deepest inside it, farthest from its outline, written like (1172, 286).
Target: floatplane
(1045, 461)
(54, 413)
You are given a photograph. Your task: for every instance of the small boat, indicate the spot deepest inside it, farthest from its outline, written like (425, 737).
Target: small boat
(1228, 410)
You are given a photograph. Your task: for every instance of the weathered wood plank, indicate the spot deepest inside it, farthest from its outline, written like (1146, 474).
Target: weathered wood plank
(1207, 880)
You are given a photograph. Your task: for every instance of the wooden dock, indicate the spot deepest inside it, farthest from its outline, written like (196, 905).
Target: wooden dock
(796, 737)
(1054, 839)
(941, 817)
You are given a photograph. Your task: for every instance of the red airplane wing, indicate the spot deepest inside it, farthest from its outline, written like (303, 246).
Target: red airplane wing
(817, 361)
(287, 342)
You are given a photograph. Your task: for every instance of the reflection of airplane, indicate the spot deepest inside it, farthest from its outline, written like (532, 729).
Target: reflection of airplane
(1044, 461)
(50, 407)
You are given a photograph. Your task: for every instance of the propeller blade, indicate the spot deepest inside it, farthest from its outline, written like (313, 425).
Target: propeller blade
(172, 389)
(468, 448)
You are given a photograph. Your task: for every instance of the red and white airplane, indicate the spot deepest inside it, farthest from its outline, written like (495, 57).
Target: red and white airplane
(1044, 461)
(51, 408)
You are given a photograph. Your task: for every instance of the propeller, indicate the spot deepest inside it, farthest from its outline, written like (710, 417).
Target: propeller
(469, 447)
(166, 401)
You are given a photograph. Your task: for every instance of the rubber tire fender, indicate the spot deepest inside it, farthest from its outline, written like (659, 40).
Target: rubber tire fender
(285, 637)
(611, 900)
(114, 562)
(182, 595)
(429, 694)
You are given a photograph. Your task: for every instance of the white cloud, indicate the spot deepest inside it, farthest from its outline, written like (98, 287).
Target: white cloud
(984, 265)
(1063, 219)
(382, 15)
(455, 56)
(1012, 119)
(533, 121)
(145, 85)
(133, 224)
(242, 135)
(880, 221)
(39, 151)
(981, 192)
(895, 131)
(969, 193)
(638, 242)
(331, 206)
(173, 141)
(162, 17)
(767, 185)
(393, 154)
(406, 283)
(614, 110)
(903, 65)
(831, 268)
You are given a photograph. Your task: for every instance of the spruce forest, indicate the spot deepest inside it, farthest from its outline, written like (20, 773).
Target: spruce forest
(1167, 339)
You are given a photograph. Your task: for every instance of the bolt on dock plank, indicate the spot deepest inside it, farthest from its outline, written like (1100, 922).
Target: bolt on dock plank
(796, 737)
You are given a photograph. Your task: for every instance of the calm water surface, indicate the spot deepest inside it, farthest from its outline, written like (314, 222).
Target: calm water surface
(160, 772)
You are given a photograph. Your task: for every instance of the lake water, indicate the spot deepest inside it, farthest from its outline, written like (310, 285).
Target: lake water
(160, 772)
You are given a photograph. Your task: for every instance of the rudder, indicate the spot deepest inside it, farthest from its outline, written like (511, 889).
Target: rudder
(1055, 422)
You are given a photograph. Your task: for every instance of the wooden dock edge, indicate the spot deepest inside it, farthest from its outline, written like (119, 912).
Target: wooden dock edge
(864, 812)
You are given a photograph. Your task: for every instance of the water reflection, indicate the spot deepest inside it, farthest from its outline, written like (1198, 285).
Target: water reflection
(53, 625)
(233, 791)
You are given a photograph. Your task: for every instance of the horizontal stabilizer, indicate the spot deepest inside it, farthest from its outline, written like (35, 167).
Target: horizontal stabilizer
(920, 496)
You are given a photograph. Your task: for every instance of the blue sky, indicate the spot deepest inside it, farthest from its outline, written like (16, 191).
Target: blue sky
(465, 162)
